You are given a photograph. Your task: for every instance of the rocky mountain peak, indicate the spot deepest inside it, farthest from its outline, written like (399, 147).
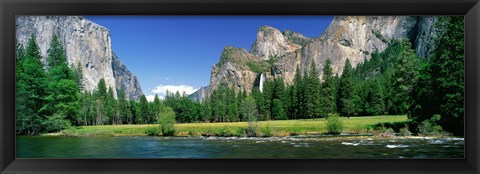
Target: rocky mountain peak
(233, 70)
(200, 94)
(85, 43)
(296, 38)
(352, 37)
(271, 42)
(235, 55)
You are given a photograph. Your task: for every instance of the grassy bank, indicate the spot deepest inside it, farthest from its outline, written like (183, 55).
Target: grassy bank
(264, 128)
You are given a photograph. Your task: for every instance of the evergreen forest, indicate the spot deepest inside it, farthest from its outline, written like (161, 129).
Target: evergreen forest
(50, 95)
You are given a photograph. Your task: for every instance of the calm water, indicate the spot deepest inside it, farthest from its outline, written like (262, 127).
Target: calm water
(216, 147)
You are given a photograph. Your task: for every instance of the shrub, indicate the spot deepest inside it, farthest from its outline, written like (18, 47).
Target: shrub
(227, 132)
(358, 129)
(334, 124)
(242, 132)
(249, 109)
(380, 128)
(252, 129)
(266, 130)
(396, 126)
(295, 130)
(389, 131)
(383, 131)
(55, 123)
(153, 131)
(369, 128)
(405, 132)
(430, 126)
(258, 67)
(167, 121)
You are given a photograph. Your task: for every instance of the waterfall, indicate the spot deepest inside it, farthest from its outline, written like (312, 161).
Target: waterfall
(262, 79)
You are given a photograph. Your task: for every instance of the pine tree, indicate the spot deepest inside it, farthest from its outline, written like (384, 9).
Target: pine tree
(232, 110)
(133, 108)
(110, 106)
(403, 77)
(91, 116)
(239, 98)
(312, 92)
(30, 84)
(101, 89)
(359, 93)
(289, 102)
(279, 94)
(328, 89)
(20, 53)
(79, 76)
(219, 104)
(56, 53)
(258, 97)
(85, 106)
(440, 85)
(62, 100)
(266, 107)
(250, 111)
(277, 110)
(122, 106)
(303, 95)
(297, 96)
(374, 98)
(207, 112)
(144, 110)
(345, 100)
(279, 89)
(156, 107)
(100, 100)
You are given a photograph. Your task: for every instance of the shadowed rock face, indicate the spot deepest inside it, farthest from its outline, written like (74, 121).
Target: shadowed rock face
(123, 77)
(352, 37)
(85, 43)
(200, 94)
(232, 70)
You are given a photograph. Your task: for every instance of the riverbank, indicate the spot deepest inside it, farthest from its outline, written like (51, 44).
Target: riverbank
(352, 125)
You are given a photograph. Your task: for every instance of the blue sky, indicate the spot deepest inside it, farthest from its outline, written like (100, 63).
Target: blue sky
(178, 52)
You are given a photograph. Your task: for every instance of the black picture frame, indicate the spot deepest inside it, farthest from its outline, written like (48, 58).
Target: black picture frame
(9, 8)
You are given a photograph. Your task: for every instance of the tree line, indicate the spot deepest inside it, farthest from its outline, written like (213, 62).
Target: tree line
(101, 108)
(51, 97)
(394, 81)
(46, 96)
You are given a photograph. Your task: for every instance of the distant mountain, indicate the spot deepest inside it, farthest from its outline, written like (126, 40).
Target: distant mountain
(200, 94)
(352, 37)
(85, 43)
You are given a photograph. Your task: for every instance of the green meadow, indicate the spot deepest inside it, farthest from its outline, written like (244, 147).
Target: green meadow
(355, 125)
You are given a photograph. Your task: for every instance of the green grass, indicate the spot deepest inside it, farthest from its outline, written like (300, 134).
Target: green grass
(276, 128)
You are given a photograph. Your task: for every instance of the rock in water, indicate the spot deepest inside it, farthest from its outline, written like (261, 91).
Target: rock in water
(85, 43)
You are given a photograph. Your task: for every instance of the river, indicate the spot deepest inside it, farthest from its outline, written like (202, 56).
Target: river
(237, 147)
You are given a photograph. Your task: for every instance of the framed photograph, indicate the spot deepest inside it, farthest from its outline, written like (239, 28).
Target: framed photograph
(239, 87)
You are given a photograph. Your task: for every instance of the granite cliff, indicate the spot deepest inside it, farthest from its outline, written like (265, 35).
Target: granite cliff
(200, 94)
(352, 37)
(85, 43)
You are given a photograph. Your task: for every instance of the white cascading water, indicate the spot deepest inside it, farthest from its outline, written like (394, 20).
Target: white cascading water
(262, 79)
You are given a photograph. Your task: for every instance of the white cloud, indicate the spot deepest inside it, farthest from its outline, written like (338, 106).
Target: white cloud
(150, 98)
(162, 89)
